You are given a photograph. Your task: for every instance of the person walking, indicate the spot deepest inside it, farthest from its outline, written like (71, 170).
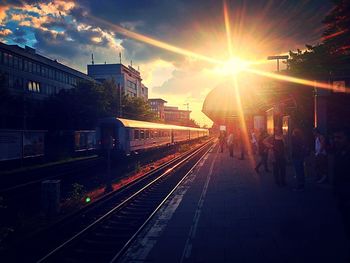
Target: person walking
(276, 144)
(230, 144)
(263, 152)
(321, 161)
(298, 157)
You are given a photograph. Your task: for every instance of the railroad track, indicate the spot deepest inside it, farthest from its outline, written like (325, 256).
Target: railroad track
(57, 171)
(112, 223)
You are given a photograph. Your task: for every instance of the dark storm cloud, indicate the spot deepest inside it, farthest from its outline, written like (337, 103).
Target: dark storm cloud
(19, 36)
(56, 44)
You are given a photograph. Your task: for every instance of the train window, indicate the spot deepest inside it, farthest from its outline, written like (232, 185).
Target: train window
(142, 134)
(147, 134)
(136, 134)
(152, 134)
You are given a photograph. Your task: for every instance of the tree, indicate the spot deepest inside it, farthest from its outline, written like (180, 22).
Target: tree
(77, 108)
(81, 107)
(337, 34)
(332, 55)
(314, 62)
(137, 108)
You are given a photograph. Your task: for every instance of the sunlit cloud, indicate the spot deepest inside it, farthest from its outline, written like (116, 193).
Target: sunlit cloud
(5, 32)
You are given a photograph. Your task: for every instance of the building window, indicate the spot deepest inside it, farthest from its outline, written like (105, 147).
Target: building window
(30, 67)
(34, 86)
(25, 65)
(18, 83)
(10, 60)
(131, 84)
(20, 63)
(11, 82)
(30, 86)
(6, 58)
(136, 134)
(15, 62)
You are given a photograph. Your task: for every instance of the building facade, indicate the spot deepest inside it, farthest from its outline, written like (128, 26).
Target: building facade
(157, 106)
(175, 116)
(127, 79)
(26, 72)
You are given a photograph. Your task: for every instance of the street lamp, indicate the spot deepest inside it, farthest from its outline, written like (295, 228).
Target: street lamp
(278, 60)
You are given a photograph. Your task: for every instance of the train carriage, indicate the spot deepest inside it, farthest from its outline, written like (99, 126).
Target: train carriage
(127, 136)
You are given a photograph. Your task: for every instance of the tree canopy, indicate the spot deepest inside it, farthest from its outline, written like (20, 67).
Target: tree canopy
(336, 36)
(81, 107)
(332, 55)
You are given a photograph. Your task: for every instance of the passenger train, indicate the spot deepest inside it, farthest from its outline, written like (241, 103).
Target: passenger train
(130, 136)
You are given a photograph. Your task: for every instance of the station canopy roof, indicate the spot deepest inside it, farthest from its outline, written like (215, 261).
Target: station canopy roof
(223, 101)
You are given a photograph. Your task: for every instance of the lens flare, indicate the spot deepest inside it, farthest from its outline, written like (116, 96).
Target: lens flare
(305, 82)
(154, 42)
(235, 65)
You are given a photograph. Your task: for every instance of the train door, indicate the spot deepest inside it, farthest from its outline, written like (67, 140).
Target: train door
(172, 136)
(108, 131)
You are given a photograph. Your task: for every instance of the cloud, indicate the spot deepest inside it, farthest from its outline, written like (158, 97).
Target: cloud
(5, 32)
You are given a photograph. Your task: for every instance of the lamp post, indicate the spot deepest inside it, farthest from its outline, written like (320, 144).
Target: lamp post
(120, 101)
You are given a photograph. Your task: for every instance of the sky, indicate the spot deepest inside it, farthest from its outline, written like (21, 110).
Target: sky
(180, 46)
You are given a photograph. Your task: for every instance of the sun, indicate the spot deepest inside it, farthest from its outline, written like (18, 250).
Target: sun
(231, 67)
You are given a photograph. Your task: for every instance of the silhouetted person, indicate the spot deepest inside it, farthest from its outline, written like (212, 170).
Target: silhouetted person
(342, 174)
(263, 152)
(321, 161)
(241, 143)
(254, 142)
(298, 157)
(230, 144)
(276, 144)
(222, 141)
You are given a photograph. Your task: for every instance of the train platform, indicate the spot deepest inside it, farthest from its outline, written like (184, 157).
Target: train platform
(226, 212)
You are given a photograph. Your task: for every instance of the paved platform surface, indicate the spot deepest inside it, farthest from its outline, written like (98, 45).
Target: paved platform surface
(225, 212)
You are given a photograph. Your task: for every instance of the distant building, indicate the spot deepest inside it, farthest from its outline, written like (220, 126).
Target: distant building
(176, 116)
(27, 72)
(157, 106)
(127, 79)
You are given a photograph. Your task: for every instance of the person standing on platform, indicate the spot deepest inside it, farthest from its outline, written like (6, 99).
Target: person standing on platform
(241, 143)
(254, 142)
(263, 152)
(298, 156)
(230, 144)
(222, 141)
(276, 144)
(321, 161)
(342, 174)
